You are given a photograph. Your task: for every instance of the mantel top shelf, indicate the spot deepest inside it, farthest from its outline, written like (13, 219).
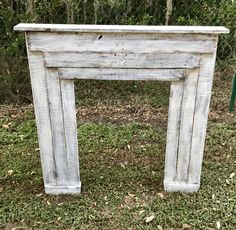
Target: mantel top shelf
(120, 28)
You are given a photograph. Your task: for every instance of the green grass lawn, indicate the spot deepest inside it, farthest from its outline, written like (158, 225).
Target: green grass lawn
(122, 139)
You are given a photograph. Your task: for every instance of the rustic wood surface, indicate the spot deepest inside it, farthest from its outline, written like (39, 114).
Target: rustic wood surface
(60, 54)
(120, 28)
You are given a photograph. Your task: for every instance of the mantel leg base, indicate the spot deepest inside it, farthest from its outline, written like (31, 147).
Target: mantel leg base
(55, 190)
(173, 186)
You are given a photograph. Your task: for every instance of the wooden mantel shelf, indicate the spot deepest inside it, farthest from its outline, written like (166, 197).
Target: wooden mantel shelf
(120, 28)
(59, 54)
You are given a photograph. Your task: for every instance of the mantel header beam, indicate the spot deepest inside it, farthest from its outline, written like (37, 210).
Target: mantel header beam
(120, 28)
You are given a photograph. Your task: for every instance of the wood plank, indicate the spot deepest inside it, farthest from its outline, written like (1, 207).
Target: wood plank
(73, 44)
(174, 116)
(119, 28)
(186, 124)
(121, 36)
(39, 90)
(120, 60)
(122, 74)
(70, 125)
(57, 125)
(206, 75)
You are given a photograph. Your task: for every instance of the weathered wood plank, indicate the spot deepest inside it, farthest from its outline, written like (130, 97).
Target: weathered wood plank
(178, 186)
(120, 36)
(64, 189)
(70, 126)
(120, 28)
(57, 126)
(172, 144)
(120, 60)
(122, 74)
(40, 96)
(72, 43)
(206, 75)
(186, 124)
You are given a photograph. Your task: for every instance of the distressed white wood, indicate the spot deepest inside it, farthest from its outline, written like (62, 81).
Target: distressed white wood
(206, 73)
(49, 36)
(42, 114)
(70, 126)
(120, 28)
(120, 60)
(64, 133)
(57, 125)
(174, 118)
(59, 54)
(186, 125)
(75, 44)
(67, 189)
(173, 186)
(121, 74)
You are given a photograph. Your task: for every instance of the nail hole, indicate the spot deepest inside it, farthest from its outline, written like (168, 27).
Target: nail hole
(100, 37)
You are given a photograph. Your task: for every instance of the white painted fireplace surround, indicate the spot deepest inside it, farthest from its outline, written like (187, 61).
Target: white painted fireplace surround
(59, 54)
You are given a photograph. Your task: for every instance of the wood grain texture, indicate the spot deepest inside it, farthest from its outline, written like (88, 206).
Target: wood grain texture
(174, 118)
(186, 125)
(120, 60)
(67, 189)
(120, 36)
(173, 186)
(70, 127)
(68, 43)
(119, 28)
(206, 73)
(57, 126)
(122, 74)
(42, 114)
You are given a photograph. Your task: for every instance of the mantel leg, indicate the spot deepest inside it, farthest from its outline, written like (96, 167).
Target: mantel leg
(188, 114)
(54, 105)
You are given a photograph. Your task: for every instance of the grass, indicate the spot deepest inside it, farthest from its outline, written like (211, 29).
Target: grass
(122, 144)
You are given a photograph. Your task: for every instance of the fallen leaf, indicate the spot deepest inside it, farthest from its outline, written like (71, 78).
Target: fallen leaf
(227, 181)
(232, 175)
(161, 195)
(128, 146)
(6, 126)
(122, 165)
(141, 212)
(131, 194)
(186, 226)
(148, 219)
(10, 172)
(218, 225)
(159, 227)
